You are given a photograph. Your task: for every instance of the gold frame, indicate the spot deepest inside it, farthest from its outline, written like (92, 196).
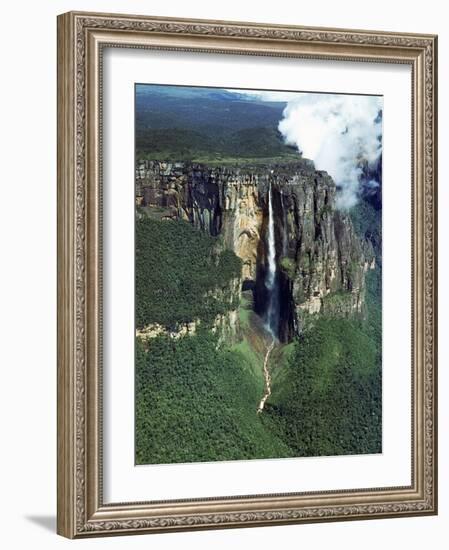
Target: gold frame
(81, 37)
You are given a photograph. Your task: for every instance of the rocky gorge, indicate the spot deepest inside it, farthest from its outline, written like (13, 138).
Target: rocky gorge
(321, 262)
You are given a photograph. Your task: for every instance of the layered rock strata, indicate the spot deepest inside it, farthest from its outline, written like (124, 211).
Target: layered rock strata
(322, 262)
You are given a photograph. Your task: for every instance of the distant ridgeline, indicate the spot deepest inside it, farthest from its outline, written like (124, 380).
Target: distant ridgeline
(206, 124)
(322, 262)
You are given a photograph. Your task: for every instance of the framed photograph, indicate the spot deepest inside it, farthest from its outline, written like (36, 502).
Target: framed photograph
(246, 274)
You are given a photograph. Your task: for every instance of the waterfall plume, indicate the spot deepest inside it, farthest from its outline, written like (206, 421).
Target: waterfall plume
(272, 312)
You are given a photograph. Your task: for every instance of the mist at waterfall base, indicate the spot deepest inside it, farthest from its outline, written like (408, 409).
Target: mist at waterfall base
(342, 134)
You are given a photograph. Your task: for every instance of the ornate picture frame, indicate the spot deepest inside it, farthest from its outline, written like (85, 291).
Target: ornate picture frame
(82, 38)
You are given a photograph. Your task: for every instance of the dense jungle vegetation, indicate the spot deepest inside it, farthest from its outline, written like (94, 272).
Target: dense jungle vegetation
(327, 400)
(203, 129)
(181, 274)
(197, 401)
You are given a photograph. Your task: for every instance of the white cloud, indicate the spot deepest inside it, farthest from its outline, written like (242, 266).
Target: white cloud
(337, 132)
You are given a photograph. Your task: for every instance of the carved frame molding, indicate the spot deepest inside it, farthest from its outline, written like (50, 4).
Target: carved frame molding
(81, 38)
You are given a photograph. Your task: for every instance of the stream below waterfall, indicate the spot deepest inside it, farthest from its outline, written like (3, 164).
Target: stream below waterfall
(267, 377)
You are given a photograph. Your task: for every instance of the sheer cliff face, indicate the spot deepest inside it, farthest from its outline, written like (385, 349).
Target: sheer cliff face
(321, 261)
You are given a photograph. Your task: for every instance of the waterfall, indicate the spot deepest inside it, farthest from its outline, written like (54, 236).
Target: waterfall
(272, 314)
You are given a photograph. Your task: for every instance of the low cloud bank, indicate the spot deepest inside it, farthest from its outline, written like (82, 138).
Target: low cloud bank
(342, 134)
